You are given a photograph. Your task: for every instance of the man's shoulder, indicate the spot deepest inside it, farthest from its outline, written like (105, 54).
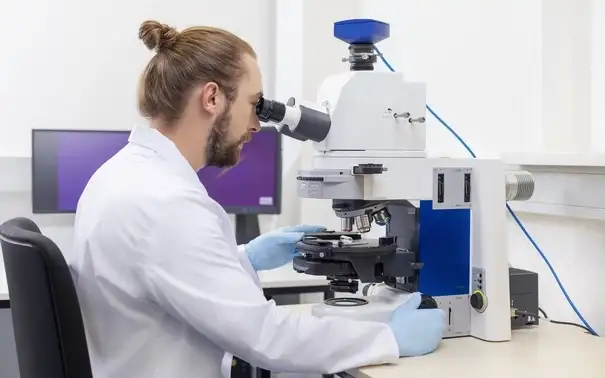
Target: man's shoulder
(148, 201)
(129, 191)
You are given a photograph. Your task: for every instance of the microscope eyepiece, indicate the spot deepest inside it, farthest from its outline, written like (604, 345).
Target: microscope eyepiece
(298, 122)
(270, 110)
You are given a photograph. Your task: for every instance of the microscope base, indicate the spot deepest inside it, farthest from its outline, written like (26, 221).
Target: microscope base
(374, 308)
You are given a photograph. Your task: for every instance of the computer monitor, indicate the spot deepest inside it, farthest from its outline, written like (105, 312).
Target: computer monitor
(253, 186)
(64, 160)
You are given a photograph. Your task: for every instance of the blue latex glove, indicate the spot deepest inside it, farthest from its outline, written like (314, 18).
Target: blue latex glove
(277, 248)
(417, 331)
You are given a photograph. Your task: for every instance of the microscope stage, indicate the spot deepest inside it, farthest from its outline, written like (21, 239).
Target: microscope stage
(332, 245)
(345, 257)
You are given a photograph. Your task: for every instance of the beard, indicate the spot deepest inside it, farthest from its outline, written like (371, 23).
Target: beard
(221, 152)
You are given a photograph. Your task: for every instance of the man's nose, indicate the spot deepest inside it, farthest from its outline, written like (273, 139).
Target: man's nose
(255, 128)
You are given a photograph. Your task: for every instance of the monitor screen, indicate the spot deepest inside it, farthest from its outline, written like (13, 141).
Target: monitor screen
(252, 186)
(64, 160)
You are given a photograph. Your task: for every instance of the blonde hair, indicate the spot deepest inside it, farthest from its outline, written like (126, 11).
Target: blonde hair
(194, 56)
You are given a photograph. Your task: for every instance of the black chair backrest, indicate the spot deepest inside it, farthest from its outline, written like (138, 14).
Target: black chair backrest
(47, 321)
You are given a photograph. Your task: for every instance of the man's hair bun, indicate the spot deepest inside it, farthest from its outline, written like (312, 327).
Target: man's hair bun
(157, 36)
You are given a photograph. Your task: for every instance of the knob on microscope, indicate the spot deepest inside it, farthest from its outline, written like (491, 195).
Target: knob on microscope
(478, 301)
(427, 302)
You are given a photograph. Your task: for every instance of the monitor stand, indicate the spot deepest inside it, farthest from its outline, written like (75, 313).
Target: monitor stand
(246, 228)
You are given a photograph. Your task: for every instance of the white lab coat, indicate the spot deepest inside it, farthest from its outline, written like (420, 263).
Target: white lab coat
(166, 292)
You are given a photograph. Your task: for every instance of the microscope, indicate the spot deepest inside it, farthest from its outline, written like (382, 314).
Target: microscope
(444, 219)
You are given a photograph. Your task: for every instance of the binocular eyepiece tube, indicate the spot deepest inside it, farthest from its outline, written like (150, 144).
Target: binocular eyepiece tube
(298, 122)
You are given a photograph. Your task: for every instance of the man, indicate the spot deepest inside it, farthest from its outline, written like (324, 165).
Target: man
(165, 290)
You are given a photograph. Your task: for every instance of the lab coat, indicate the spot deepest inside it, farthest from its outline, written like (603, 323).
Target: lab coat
(166, 292)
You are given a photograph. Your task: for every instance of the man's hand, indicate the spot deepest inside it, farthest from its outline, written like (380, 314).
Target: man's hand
(277, 248)
(417, 331)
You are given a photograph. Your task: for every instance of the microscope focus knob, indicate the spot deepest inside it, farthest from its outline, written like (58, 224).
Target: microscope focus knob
(478, 301)
(427, 302)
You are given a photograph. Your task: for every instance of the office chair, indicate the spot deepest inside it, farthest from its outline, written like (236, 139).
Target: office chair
(48, 325)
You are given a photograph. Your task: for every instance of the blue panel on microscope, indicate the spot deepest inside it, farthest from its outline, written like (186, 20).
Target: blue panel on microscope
(444, 247)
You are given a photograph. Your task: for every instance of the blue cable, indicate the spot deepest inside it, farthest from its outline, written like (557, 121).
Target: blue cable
(512, 213)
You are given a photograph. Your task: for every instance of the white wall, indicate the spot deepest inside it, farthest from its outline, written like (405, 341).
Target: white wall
(597, 69)
(481, 62)
(509, 76)
(566, 74)
(75, 64)
(573, 111)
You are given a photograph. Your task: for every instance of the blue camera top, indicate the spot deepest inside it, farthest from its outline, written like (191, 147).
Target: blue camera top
(361, 31)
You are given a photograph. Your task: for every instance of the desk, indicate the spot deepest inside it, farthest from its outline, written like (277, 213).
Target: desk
(278, 281)
(546, 351)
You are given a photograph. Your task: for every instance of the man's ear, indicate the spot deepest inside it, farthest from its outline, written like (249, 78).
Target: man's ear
(210, 98)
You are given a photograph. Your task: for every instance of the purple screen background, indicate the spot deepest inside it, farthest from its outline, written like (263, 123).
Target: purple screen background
(249, 184)
(252, 181)
(79, 155)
